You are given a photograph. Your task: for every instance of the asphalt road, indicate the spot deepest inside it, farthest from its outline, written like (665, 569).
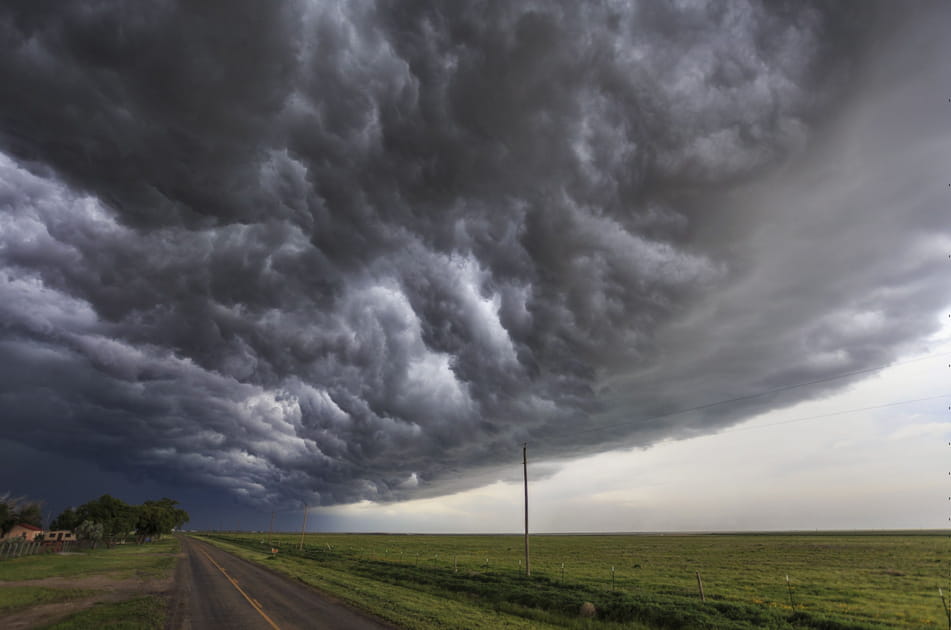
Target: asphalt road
(214, 589)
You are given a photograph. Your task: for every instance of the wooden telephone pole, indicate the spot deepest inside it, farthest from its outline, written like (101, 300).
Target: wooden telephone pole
(300, 547)
(270, 529)
(528, 567)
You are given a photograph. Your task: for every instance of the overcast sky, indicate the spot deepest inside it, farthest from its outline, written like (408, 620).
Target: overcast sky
(354, 255)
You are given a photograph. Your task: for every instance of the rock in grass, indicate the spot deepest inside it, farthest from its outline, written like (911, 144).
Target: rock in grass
(588, 610)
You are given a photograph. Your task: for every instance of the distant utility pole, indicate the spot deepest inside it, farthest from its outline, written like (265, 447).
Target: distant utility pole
(300, 547)
(270, 529)
(528, 567)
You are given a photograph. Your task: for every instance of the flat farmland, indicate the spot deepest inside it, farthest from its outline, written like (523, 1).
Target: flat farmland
(835, 580)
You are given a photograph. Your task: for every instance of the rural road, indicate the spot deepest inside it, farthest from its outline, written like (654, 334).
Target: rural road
(214, 589)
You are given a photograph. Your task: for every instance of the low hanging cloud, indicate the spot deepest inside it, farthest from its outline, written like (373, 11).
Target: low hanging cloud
(342, 251)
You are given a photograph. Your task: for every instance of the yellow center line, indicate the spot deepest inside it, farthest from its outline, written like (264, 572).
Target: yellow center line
(254, 603)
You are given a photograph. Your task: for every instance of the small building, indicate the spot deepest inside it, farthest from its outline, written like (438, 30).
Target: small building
(59, 535)
(58, 539)
(23, 531)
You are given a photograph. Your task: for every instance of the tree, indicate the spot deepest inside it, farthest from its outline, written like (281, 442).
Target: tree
(90, 530)
(117, 517)
(8, 513)
(68, 519)
(15, 510)
(31, 514)
(160, 517)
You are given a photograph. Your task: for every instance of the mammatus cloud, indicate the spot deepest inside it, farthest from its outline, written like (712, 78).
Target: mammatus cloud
(343, 251)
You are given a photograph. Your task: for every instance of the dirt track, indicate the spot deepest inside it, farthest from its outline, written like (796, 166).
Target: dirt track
(108, 589)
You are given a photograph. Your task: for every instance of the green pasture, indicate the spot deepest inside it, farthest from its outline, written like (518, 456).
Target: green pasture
(123, 560)
(14, 598)
(140, 613)
(836, 580)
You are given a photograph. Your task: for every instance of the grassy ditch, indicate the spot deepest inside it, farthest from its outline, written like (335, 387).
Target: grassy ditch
(836, 581)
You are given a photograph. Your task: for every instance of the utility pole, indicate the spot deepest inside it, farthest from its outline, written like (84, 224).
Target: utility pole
(528, 567)
(300, 547)
(270, 529)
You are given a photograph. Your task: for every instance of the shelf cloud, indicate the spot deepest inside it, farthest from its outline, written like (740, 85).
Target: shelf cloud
(343, 251)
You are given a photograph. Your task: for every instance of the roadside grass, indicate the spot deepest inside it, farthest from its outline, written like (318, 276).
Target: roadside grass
(836, 581)
(14, 598)
(140, 613)
(150, 559)
(410, 608)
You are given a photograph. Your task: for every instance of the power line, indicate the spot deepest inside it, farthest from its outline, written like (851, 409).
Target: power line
(767, 392)
(835, 413)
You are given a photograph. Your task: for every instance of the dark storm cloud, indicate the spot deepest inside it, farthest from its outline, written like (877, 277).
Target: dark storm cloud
(364, 250)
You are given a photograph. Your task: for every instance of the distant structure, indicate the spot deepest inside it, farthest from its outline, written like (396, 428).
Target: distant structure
(58, 539)
(59, 535)
(29, 533)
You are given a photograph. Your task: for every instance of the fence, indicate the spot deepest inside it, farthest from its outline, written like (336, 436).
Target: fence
(19, 548)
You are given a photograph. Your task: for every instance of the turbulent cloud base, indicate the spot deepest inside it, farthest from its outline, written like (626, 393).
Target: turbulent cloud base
(342, 251)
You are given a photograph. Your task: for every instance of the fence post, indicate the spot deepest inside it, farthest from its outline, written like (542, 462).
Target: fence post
(944, 604)
(700, 586)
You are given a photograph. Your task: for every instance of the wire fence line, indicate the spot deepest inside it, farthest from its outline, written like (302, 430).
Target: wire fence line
(19, 548)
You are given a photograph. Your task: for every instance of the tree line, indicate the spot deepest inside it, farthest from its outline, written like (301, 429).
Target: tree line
(16, 510)
(105, 519)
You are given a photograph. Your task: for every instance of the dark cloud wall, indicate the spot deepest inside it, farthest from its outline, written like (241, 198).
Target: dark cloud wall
(342, 251)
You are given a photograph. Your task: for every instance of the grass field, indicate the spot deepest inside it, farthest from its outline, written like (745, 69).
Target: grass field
(128, 565)
(152, 559)
(847, 580)
(19, 597)
(139, 613)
